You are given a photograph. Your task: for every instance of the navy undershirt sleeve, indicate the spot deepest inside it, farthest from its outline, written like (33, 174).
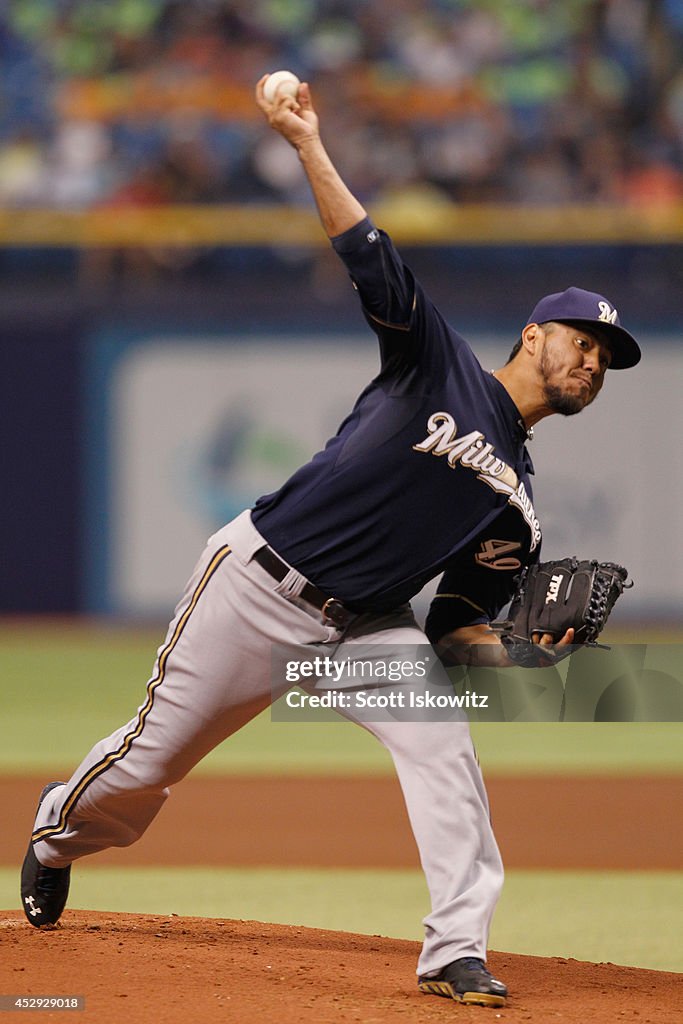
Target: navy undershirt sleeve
(410, 329)
(385, 285)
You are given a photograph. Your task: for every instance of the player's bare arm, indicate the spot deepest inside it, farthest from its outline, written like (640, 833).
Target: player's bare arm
(480, 646)
(297, 122)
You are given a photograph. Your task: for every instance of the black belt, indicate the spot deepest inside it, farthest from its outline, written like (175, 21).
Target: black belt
(330, 608)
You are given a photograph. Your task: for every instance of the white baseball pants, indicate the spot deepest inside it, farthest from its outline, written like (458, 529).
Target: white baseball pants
(215, 672)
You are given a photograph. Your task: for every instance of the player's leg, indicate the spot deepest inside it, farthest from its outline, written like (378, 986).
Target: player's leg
(213, 674)
(444, 794)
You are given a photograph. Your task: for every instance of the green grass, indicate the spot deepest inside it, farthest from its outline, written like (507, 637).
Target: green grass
(621, 917)
(63, 687)
(628, 918)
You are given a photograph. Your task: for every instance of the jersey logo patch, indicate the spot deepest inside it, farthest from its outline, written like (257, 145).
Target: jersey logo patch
(470, 450)
(497, 554)
(474, 452)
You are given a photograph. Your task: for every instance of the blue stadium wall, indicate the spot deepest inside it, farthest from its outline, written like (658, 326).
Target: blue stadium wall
(52, 314)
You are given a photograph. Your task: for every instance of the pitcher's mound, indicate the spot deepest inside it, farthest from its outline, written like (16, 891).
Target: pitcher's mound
(141, 968)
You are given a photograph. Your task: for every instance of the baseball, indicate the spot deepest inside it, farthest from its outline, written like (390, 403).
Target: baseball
(280, 81)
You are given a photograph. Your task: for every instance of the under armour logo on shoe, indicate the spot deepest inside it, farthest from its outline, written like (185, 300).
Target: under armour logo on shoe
(34, 909)
(607, 314)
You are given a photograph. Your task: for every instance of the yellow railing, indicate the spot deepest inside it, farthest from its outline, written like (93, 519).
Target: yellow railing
(420, 223)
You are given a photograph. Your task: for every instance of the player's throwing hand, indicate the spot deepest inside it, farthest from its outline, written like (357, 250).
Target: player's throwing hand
(294, 119)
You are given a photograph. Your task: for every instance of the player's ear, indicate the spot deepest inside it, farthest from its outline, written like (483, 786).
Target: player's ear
(531, 338)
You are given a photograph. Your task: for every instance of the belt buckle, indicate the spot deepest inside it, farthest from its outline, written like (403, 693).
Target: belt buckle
(334, 611)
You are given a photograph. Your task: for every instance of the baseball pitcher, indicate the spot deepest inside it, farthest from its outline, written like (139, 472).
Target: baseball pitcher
(428, 475)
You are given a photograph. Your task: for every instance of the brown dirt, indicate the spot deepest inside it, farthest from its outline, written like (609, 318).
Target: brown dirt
(564, 823)
(171, 969)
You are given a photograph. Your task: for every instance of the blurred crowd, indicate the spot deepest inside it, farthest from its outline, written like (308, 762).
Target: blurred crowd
(151, 101)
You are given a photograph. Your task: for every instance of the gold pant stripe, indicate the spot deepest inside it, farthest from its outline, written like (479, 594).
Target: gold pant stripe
(154, 683)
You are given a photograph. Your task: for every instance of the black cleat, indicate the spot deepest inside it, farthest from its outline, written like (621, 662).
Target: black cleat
(44, 890)
(467, 981)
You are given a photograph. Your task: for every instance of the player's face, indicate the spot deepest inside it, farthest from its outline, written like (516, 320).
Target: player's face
(572, 365)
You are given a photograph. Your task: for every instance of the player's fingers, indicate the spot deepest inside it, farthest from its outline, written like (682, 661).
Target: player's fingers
(542, 638)
(260, 98)
(306, 110)
(547, 640)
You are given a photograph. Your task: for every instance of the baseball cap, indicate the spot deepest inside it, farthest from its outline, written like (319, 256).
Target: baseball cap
(576, 306)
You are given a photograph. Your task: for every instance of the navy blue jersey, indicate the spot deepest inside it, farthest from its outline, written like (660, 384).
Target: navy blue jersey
(431, 456)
